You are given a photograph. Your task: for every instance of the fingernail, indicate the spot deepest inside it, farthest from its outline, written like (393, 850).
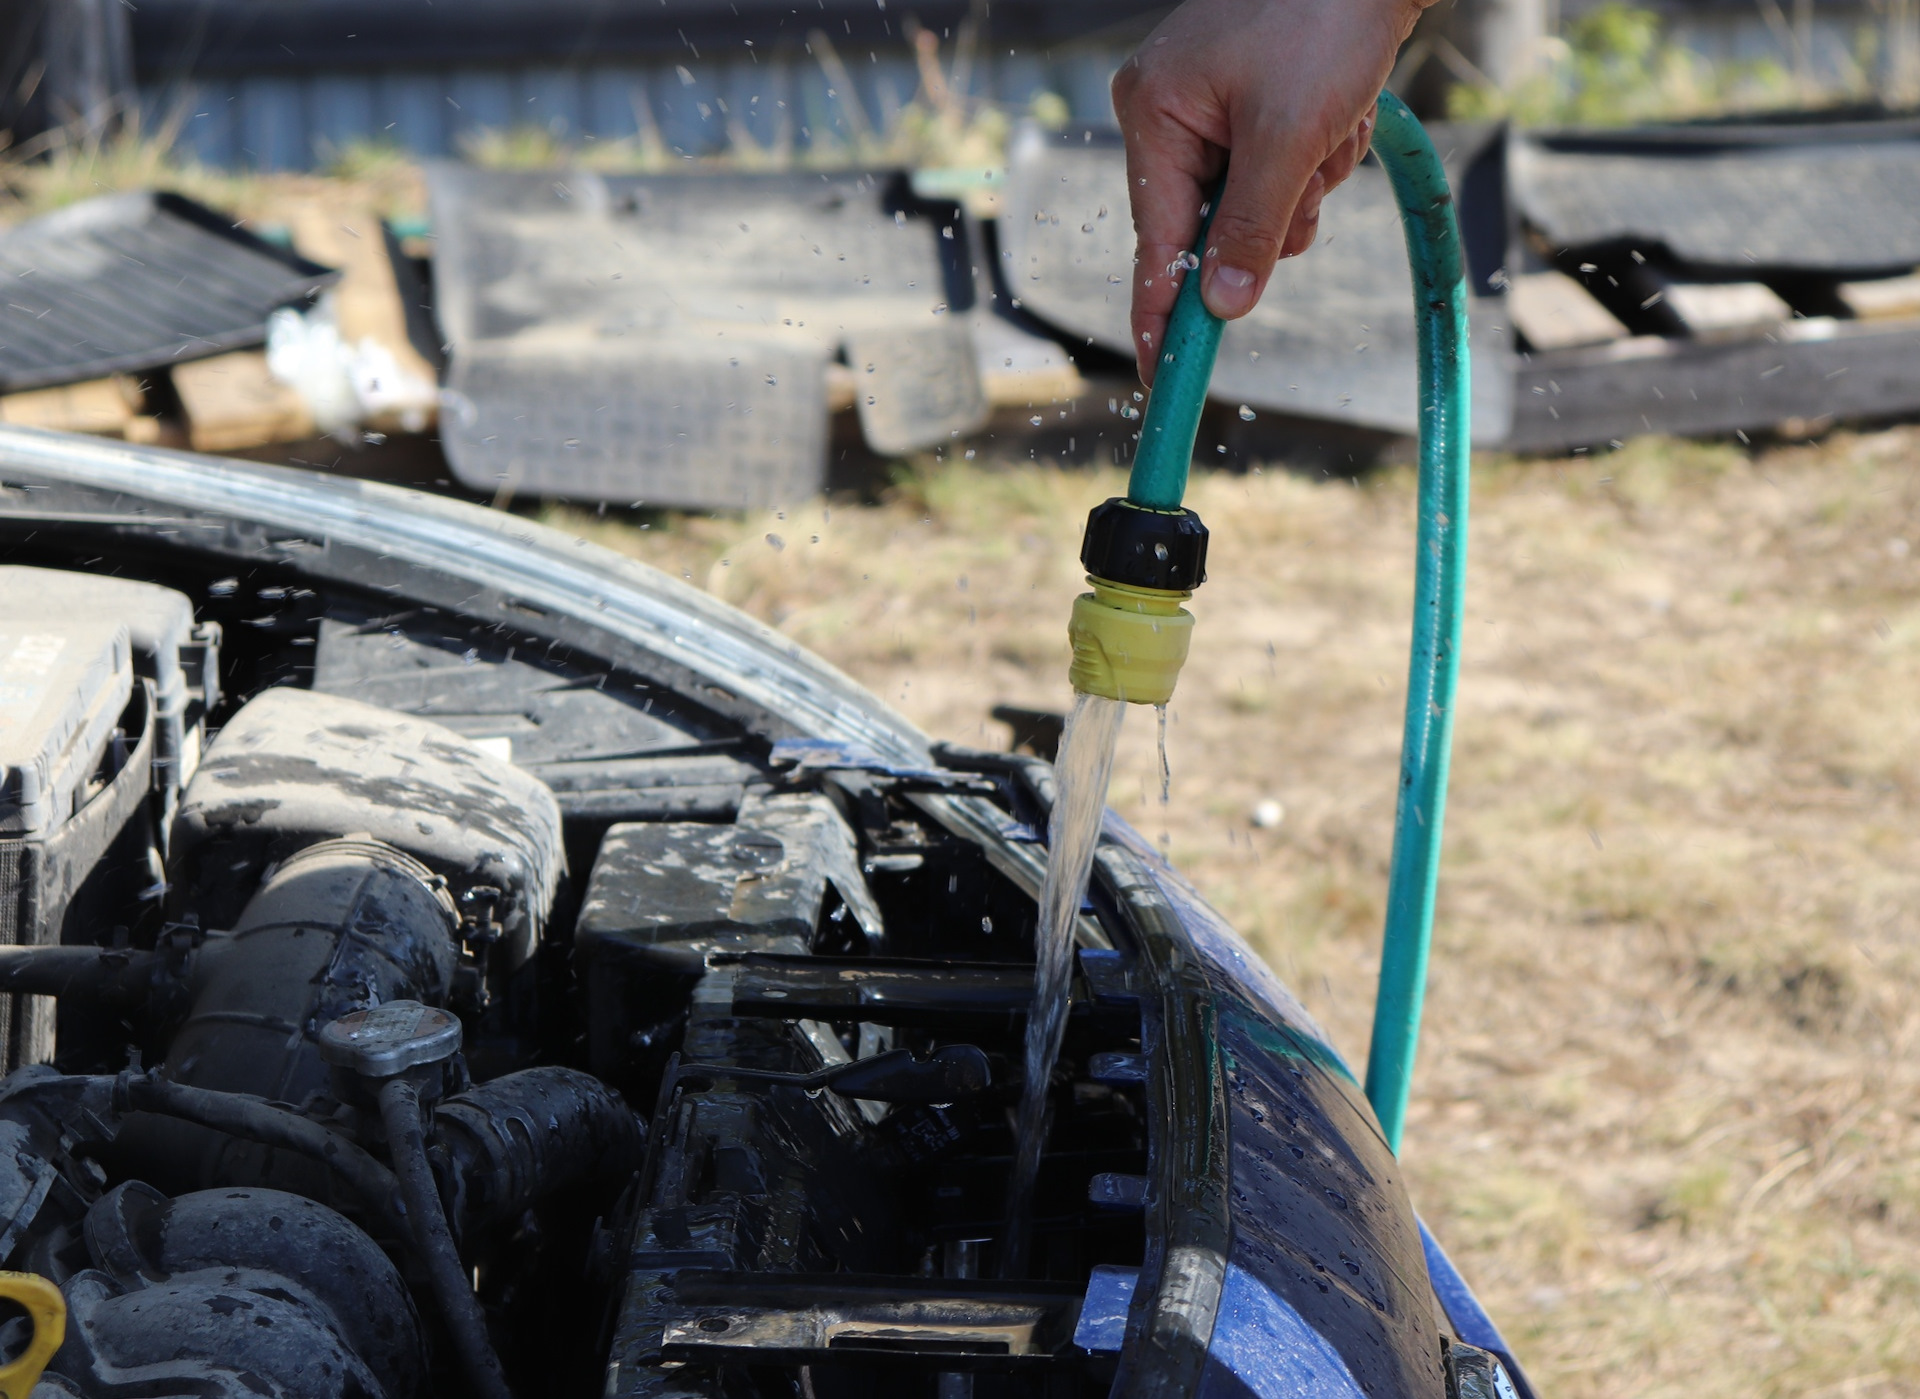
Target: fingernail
(1229, 291)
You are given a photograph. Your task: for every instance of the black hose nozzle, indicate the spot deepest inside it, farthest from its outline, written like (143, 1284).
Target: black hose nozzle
(1161, 549)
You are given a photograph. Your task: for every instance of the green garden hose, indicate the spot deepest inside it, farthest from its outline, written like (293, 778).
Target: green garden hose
(1145, 553)
(1439, 596)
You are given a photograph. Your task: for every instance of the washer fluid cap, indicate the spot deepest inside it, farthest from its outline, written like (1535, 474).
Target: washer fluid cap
(390, 1039)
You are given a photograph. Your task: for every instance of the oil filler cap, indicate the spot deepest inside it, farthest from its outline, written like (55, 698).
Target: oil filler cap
(388, 1040)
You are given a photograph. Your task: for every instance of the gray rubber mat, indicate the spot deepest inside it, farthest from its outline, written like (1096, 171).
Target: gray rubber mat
(136, 281)
(1332, 338)
(1805, 199)
(1780, 198)
(665, 339)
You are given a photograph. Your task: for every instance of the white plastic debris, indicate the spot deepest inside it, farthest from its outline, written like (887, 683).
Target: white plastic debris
(344, 384)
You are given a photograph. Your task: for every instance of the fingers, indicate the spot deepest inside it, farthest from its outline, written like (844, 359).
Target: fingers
(1306, 216)
(1170, 167)
(1348, 154)
(1304, 226)
(1363, 134)
(1265, 183)
(1333, 173)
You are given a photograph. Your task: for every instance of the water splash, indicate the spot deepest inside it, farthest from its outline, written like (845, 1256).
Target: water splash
(1081, 774)
(1166, 770)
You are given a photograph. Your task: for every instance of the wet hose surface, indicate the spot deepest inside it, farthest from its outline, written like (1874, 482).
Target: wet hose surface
(1440, 318)
(433, 1241)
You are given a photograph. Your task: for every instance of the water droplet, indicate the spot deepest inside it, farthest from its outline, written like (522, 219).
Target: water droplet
(777, 542)
(1246, 414)
(986, 925)
(1103, 212)
(1115, 279)
(1086, 228)
(1160, 552)
(870, 400)
(1035, 420)
(771, 381)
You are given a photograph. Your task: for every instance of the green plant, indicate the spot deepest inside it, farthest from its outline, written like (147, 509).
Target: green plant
(1615, 65)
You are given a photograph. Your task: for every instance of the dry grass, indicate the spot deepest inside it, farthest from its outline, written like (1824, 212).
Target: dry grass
(367, 176)
(1667, 1114)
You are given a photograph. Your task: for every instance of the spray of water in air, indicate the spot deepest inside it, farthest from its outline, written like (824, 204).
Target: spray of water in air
(1084, 768)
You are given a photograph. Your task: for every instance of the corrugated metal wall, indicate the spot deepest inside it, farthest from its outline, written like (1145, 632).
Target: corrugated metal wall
(293, 121)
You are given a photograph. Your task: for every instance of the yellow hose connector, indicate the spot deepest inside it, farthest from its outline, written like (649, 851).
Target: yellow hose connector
(47, 1309)
(1129, 642)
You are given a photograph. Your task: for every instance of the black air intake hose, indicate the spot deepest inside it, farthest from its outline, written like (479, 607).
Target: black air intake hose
(340, 926)
(521, 1138)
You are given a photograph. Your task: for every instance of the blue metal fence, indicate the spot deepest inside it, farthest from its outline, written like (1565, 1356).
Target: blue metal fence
(697, 107)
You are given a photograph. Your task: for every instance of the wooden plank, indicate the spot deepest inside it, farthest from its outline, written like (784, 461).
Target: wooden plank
(1555, 312)
(1887, 298)
(1808, 370)
(1019, 369)
(233, 401)
(1727, 310)
(105, 407)
(366, 300)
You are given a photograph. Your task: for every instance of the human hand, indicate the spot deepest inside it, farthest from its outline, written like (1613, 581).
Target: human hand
(1288, 88)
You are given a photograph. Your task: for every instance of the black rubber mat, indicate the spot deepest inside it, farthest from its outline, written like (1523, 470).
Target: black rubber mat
(136, 281)
(1841, 198)
(667, 338)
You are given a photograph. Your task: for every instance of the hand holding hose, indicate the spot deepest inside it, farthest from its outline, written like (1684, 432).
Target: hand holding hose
(1286, 86)
(1275, 83)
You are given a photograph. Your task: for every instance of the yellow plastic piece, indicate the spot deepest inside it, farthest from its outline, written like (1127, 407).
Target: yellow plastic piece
(1129, 643)
(47, 1309)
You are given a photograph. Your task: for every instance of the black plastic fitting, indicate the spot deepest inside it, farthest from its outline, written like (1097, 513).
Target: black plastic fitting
(1126, 543)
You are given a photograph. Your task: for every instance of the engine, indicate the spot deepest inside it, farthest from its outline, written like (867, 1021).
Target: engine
(367, 1037)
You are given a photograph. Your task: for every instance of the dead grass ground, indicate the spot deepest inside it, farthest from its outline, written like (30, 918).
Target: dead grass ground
(1667, 1114)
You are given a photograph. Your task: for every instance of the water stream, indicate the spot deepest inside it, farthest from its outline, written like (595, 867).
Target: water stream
(1166, 771)
(1082, 772)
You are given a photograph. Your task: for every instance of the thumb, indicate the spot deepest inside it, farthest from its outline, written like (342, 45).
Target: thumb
(1265, 180)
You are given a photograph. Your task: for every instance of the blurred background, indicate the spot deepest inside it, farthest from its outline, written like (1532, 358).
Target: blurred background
(325, 84)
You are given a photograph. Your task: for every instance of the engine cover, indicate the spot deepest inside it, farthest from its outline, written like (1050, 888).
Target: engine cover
(294, 767)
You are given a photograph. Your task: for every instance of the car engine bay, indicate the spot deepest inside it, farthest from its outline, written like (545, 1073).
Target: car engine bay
(438, 957)
(383, 1001)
